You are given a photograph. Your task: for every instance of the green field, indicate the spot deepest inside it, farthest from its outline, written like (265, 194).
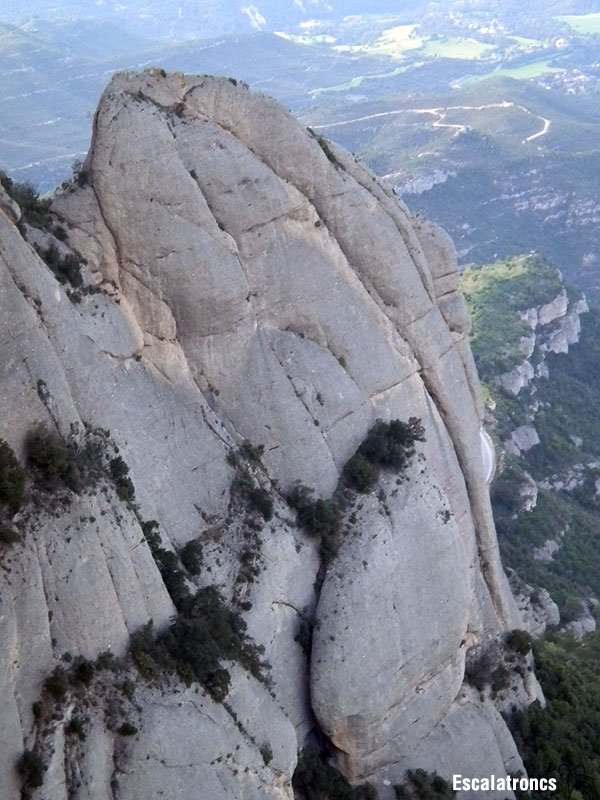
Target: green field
(358, 81)
(452, 47)
(532, 70)
(397, 41)
(401, 40)
(394, 42)
(582, 23)
(525, 72)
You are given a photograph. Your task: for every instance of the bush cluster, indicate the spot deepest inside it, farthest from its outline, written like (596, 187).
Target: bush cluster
(79, 176)
(56, 684)
(75, 727)
(422, 785)
(255, 496)
(495, 664)
(119, 472)
(26, 196)
(519, 641)
(67, 268)
(168, 565)
(318, 517)
(51, 460)
(266, 752)
(261, 501)
(249, 562)
(9, 536)
(127, 729)
(206, 632)
(82, 671)
(388, 445)
(60, 680)
(12, 480)
(192, 556)
(315, 779)
(56, 689)
(252, 452)
(31, 768)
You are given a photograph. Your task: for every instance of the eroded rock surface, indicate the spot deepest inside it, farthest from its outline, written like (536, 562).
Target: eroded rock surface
(254, 284)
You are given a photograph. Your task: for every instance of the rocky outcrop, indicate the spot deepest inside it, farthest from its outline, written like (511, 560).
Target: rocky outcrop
(528, 493)
(245, 282)
(517, 378)
(521, 439)
(538, 609)
(420, 183)
(555, 326)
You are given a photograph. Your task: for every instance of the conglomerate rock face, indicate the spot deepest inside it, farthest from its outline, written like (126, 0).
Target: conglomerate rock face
(252, 283)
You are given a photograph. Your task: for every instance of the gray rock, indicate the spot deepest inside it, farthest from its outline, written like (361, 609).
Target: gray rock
(253, 284)
(553, 310)
(538, 609)
(528, 493)
(547, 551)
(522, 439)
(517, 378)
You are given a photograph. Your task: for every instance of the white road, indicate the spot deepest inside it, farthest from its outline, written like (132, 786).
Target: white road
(441, 113)
(543, 132)
(488, 454)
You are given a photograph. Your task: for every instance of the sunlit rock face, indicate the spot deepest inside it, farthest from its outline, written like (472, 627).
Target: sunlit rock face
(251, 283)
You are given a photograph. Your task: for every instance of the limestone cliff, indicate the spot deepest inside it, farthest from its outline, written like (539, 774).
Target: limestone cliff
(246, 285)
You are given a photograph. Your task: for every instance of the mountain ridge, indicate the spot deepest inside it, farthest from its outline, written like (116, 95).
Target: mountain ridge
(250, 302)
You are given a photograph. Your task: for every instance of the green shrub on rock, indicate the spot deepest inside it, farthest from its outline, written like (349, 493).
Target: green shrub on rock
(388, 445)
(9, 536)
(67, 268)
(206, 632)
(26, 196)
(315, 779)
(360, 474)
(31, 768)
(120, 474)
(519, 641)
(51, 460)
(192, 556)
(261, 502)
(127, 729)
(168, 565)
(319, 518)
(82, 671)
(422, 785)
(255, 496)
(12, 480)
(57, 683)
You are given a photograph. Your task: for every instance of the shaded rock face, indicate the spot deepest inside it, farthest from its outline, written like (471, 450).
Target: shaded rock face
(251, 284)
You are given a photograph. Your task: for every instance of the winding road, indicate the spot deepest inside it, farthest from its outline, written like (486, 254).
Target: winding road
(441, 113)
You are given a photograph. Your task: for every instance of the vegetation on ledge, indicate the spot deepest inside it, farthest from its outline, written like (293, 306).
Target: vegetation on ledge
(205, 633)
(33, 208)
(12, 480)
(495, 294)
(387, 446)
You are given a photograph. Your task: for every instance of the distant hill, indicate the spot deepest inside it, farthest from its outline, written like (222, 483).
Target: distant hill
(484, 118)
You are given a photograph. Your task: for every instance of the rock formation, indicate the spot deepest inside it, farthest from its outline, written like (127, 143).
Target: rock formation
(554, 327)
(251, 294)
